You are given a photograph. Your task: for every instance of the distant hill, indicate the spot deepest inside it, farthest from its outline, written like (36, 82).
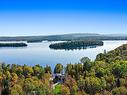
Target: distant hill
(66, 37)
(119, 53)
(116, 35)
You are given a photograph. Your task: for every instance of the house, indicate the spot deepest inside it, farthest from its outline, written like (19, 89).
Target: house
(58, 78)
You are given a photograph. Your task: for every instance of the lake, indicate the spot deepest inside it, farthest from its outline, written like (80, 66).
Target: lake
(40, 53)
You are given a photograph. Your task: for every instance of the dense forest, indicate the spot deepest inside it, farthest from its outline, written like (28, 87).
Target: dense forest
(117, 54)
(13, 44)
(107, 75)
(76, 44)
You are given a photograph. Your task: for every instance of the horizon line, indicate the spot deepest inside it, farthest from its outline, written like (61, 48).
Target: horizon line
(119, 34)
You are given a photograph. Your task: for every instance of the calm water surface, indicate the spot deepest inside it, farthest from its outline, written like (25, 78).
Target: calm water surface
(40, 53)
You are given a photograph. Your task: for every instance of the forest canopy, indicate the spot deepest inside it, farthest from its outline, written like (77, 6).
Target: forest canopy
(119, 53)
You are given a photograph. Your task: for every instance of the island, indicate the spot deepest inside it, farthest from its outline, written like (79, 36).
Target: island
(77, 44)
(13, 44)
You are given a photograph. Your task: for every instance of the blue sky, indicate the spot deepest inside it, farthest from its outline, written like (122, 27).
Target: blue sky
(46, 17)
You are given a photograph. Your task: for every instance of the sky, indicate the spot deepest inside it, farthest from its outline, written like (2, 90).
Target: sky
(49, 17)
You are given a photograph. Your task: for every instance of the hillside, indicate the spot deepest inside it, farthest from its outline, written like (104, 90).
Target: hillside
(119, 53)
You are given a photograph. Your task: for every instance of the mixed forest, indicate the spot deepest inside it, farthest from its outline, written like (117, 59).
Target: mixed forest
(107, 75)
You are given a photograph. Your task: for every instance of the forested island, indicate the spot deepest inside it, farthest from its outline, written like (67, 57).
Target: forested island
(13, 44)
(76, 44)
(107, 75)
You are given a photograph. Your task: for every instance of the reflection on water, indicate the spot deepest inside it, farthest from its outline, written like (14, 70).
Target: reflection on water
(40, 53)
(77, 48)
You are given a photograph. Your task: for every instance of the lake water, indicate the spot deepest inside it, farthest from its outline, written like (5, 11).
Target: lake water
(40, 53)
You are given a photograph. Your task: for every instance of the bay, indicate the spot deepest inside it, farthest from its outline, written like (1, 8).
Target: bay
(40, 53)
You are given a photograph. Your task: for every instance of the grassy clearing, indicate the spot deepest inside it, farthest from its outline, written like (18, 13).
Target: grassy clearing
(57, 89)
